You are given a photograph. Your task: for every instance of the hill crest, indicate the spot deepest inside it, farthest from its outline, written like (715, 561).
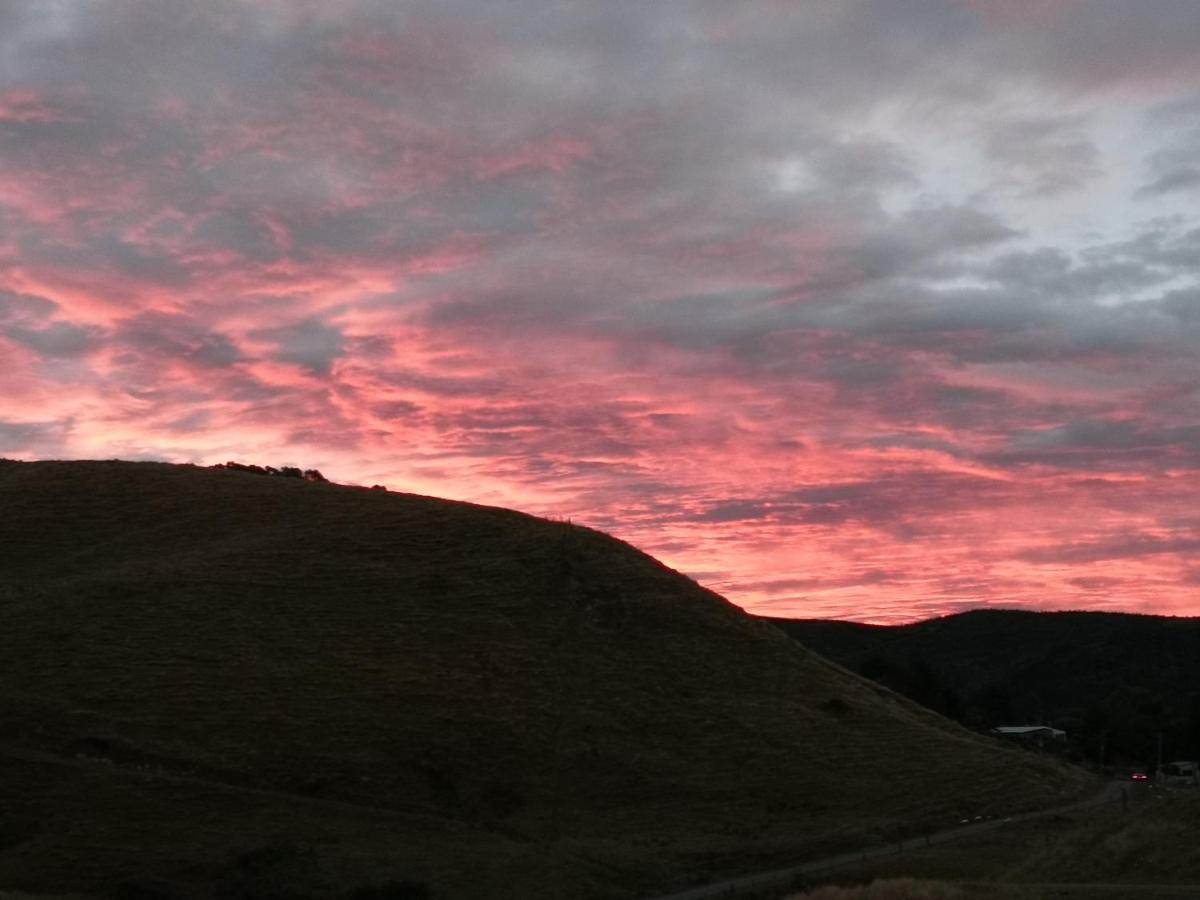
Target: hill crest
(535, 704)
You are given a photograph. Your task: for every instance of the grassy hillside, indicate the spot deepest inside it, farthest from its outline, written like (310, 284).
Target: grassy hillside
(913, 889)
(1155, 843)
(1123, 678)
(215, 683)
(1147, 849)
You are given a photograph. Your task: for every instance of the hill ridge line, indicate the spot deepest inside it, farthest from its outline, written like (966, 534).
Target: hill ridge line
(568, 708)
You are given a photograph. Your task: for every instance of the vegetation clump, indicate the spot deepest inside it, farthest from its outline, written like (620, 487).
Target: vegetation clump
(283, 472)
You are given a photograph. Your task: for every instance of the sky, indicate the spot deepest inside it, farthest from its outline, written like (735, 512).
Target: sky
(869, 309)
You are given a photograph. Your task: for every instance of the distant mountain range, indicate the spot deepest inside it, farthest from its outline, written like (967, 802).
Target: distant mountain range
(216, 684)
(1113, 681)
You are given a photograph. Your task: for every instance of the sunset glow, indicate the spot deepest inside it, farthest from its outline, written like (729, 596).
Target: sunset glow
(871, 310)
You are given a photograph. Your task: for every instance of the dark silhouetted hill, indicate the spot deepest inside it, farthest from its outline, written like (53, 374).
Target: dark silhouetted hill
(1110, 680)
(215, 684)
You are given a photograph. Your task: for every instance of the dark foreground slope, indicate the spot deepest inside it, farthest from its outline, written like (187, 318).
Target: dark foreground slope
(214, 683)
(1111, 680)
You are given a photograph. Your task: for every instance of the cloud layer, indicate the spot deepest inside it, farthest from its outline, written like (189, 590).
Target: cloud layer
(875, 310)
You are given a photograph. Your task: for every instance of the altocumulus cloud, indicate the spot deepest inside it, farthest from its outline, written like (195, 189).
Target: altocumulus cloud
(874, 309)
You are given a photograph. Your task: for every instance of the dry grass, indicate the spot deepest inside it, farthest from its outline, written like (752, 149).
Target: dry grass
(1148, 850)
(546, 705)
(1155, 843)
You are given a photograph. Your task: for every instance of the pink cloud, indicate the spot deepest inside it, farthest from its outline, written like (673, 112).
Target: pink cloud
(551, 265)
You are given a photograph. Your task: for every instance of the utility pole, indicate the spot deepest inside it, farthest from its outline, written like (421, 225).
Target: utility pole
(1158, 767)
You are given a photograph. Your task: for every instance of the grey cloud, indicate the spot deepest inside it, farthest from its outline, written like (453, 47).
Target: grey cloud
(1096, 582)
(235, 231)
(214, 350)
(1120, 434)
(1172, 167)
(821, 163)
(707, 319)
(1044, 155)
(1104, 444)
(311, 344)
(840, 298)
(176, 337)
(1105, 44)
(858, 372)
(924, 234)
(642, 63)
(912, 313)
(347, 141)
(16, 437)
(837, 58)
(346, 230)
(1184, 305)
(395, 410)
(27, 319)
(893, 503)
(506, 207)
(197, 420)
(1122, 547)
(1174, 180)
(1165, 246)
(338, 437)
(1042, 309)
(103, 253)
(488, 386)
(737, 511)
(1053, 274)
(25, 308)
(59, 339)
(865, 163)
(918, 442)
(1175, 113)
(785, 585)
(540, 439)
(69, 125)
